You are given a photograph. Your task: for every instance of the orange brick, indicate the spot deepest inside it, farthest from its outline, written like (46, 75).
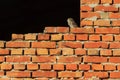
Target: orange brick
(98, 74)
(18, 74)
(55, 51)
(50, 30)
(116, 1)
(43, 44)
(4, 51)
(18, 59)
(117, 37)
(84, 67)
(94, 37)
(16, 51)
(115, 75)
(106, 1)
(89, 1)
(116, 23)
(67, 51)
(49, 74)
(107, 37)
(69, 74)
(82, 30)
(89, 14)
(19, 66)
(4, 78)
(107, 30)
(58, 66)
(6, 66)
(69, 36)
(116, 52)
(32, 66)
(29, 51)
(80, 51)
(82, 37)
(45, 66)
(2, 58)
(42, 79)
(94, 59)
(62, 29)
(2, 74)
(17, 37)
(71, 66)
(114, 59)
(102, 23)
(48, 59)
(95, 45)
(56, 37)
(97, 66)
(118, 67)
(42, 51)
(86, 23)
(85, 8)
(115, 45)
(30, 36)
(109, 67)
(17, 44)
(69, 59)
(106, 52)
(114, 15)
(43, 36)
(2, 44)
(69, 44)
(93, 52)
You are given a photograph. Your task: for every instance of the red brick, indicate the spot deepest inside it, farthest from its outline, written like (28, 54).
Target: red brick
(5, 66)
(42, 59)
(114, 15)
(105, 8)
(86, 23)
(50, 74)
(106, 52)
(29, 51)
(94, 37)
(95, 45)
(19, 66)
(115, 75)
(116, 23)
(50, 30)
(115, 45)
(55, 51)
(32, 66)
(16, 51)
(97, 67)
(67, 51)
(84, 67)
(17, 37)
(116, 52)
(17, 44)
(18, 59)
(102, 23)
(114, 59)
(116, 1)
(42, 51)
(69, 59)
(1, 74)
(98, 74)
(30, 36)
(106, 1)
(109, 67)
(69, 74)
(85, 8)
(69, 44)
(4, 51)
(107, 37)
(94, 59)
(45, 66)
(82, 37)
(71, 66)
(117, 37)
(2, 44)
(89, 14)
(107, 30)
(93, 52)
(2, 58)
(43, 36)
(18, 74)
(82, 30)
(89, 1)
(62, 29)
(56, 37)
(69, 37)
(58, 66)
(43, 44)
(80, 51)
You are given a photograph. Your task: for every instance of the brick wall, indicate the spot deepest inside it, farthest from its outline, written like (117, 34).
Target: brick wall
(63, 53)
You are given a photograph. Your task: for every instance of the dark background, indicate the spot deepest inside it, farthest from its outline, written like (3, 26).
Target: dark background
(31, 16)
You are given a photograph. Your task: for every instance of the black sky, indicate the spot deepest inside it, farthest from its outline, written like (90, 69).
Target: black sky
(31, 16)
